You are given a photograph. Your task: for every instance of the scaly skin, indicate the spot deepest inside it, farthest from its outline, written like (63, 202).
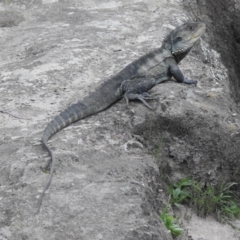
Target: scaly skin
(132, 82)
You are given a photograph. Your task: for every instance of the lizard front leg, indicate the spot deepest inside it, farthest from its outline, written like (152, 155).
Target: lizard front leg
(178, 75)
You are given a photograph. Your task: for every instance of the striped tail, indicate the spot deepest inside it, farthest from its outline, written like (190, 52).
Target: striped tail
(71, 114)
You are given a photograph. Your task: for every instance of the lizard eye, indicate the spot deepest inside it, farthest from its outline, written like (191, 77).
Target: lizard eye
(191, 28)
(179, 39)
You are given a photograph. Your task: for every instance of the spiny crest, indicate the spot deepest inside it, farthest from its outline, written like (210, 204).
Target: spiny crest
(166, 38)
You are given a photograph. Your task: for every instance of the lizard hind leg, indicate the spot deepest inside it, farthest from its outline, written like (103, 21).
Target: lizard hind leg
(142, 97)
(136, 89)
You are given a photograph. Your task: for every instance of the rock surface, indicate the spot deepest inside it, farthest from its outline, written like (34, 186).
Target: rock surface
(107, 183)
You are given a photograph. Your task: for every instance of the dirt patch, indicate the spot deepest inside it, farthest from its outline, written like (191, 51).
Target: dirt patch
(207, 228)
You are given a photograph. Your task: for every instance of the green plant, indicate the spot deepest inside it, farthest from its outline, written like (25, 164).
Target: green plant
(159, 148)
(219, 200)
(179, 192)
(170, 223)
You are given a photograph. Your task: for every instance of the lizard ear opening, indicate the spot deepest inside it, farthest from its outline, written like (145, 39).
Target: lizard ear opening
(178, 39)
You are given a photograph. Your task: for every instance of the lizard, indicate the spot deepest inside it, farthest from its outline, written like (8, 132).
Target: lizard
(132, 83)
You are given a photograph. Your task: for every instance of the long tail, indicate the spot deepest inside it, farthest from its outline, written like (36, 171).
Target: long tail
(95, 102)
(71, 114)
(51, 174)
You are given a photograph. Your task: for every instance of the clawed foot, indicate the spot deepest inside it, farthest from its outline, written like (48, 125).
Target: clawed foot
(190, 81)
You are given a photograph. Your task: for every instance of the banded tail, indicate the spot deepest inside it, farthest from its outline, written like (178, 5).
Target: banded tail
(96, 102)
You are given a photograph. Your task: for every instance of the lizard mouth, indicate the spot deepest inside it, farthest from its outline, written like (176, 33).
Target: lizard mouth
(199, 32)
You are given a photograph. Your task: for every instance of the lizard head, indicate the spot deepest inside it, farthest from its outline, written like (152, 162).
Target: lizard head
(184, 37)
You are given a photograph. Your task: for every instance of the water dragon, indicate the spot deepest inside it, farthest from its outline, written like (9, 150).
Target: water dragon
(131, 83)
